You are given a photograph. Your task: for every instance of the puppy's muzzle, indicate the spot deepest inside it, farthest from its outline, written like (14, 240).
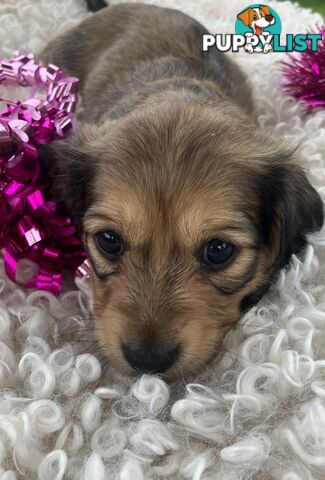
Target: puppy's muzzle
(148, 359)
(269, 18)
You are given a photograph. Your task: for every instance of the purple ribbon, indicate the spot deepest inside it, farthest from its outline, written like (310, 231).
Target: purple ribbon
(31, 228)
(304, 75)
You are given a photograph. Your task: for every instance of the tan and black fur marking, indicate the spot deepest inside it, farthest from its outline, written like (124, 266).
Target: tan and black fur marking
(169, 156)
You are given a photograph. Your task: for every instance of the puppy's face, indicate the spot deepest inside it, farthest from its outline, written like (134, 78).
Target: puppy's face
(257, 18)
(185, 223)
(171, 267)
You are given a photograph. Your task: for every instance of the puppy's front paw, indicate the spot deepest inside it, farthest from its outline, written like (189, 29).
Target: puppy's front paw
(267, 48)
(249, 48)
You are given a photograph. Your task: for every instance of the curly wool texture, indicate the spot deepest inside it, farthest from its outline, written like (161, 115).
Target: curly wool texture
(259, 413)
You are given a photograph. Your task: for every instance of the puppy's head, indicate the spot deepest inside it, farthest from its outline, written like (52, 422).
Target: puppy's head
(186, 214)
(259, 17)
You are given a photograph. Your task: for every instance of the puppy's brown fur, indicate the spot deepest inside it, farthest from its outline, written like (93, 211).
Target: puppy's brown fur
(168, 156)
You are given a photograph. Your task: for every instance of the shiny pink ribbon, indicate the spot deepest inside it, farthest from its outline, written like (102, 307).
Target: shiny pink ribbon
(30, 225)
(304, 75)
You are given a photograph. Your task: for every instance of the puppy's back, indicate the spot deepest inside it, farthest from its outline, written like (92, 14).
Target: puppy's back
(124, 48)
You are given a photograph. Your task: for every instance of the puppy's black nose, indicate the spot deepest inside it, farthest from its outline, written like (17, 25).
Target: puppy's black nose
(269, 18)
(149, 359)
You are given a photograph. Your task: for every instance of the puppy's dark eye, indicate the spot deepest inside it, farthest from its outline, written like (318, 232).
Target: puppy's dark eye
(109, 243)
(217, 252)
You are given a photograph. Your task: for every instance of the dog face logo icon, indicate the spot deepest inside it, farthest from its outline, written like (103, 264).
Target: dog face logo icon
(258, 29)
(257, 18)
(260, 22)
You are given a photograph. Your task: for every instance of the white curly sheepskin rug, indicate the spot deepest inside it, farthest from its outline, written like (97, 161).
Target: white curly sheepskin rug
(257, 414)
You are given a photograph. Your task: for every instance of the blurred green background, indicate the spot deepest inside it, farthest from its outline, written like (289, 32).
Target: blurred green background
(317, 5)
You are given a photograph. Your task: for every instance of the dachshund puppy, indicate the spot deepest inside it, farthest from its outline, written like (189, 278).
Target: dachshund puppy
(187, 209)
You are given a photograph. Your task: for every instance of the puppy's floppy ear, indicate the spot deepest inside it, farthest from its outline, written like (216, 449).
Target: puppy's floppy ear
(244, 16)
(265, 9)
(69, 172)
(290, 208)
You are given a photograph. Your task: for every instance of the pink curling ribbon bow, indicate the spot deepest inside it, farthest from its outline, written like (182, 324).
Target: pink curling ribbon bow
(304, 75)
(30, 225)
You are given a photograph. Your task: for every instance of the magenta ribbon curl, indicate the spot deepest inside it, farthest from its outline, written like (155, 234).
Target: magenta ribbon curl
(30, 225)
(304, 75)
